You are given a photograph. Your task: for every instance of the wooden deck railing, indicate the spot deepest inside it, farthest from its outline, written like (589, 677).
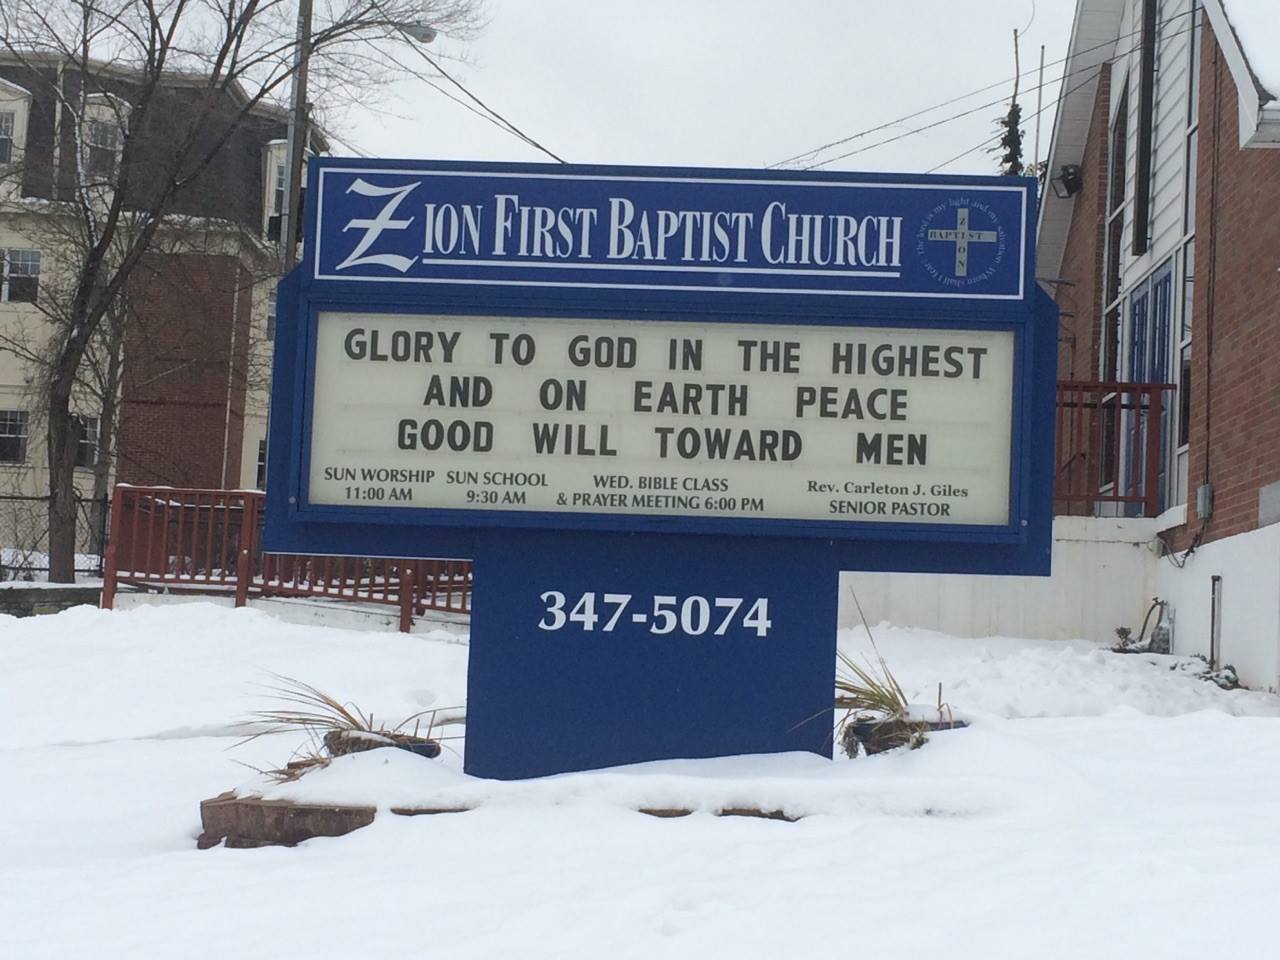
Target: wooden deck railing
(1109, 447)
(209, 541)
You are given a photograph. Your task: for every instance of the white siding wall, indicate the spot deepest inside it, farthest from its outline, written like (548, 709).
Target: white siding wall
(1169, 139)
(1105, 573)
(1168, 171)
(1103, 578)
(1249, 565)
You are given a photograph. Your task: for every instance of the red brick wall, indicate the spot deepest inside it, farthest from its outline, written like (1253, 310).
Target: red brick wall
(1235, 393)
(185, 348)
(1080, 300)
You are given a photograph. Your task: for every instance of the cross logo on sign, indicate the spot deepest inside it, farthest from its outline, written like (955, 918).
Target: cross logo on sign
(962, 236)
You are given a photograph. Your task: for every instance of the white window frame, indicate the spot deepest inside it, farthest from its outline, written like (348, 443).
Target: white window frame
(275, 179)
(8, 135)
(102, 135)
(269, 323)
(104, 112)
(1179, 468)
(275, 161)
(25, 255)
(279, 187)
(90, 438)
(16, 423)
(14, 99)
(260, 469)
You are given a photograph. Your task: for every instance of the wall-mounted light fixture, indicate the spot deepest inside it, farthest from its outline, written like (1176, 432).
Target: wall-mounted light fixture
(1068, 182)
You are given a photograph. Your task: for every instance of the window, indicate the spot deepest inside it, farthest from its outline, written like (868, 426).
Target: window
(1193, 78)
(1146, 130)
(1150, 315)
(8, 120)
(275, 177)
(19, 275)
(275, 190)
(102, 147)
(1184, 343)
(271, 315)
(281, 184)
(1182, 363)
(1112, 302)
(13, 436)
(87, 443)
(261, 480)
(1189, 197)
(1110, 352)
(1193, 131)
(1119, 153)
(1149, 327)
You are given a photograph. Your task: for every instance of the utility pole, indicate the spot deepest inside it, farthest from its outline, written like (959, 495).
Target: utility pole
(298, 138)
(1039, 110)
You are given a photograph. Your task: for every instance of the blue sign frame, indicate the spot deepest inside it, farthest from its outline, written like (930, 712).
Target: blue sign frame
(999, 295)
(552, 685)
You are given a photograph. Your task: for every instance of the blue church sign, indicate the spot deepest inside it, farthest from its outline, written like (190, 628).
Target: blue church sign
(661, 409)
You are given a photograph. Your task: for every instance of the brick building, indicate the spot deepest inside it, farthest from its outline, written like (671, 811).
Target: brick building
(190, 385)
(1161, 244)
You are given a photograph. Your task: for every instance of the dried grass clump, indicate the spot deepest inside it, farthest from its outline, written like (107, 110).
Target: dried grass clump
(877, 716)
(868, 690)
(336, 729)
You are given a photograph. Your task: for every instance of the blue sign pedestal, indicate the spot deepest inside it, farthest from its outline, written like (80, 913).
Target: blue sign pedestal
(721, 646)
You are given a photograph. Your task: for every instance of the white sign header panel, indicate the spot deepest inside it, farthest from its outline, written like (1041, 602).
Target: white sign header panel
(815, 423)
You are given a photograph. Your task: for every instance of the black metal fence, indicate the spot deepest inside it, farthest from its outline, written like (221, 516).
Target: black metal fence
(24, 536)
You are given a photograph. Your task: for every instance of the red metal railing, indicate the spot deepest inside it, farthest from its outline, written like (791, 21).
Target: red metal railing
(1109, 446)
(208, 541)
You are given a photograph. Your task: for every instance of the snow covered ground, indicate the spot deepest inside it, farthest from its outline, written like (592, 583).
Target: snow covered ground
(1099, 806)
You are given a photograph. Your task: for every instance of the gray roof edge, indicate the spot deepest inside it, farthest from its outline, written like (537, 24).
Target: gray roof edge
(1094, 33)
(1259, 110)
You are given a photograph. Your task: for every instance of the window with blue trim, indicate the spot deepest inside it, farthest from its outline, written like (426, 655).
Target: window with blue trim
(1149, 328)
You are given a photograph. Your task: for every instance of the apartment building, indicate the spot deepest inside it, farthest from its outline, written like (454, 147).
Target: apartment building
(185, 382)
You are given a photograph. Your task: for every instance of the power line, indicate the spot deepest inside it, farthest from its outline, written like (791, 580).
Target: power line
(953, 100)
(489, 114)
(947, 103)
(892, 123)
(996, 137)
(909, 133)
(1090, 70)
(466, 106)
(504, 122)
(1033, 18)
(347, 144)
(1083, 83)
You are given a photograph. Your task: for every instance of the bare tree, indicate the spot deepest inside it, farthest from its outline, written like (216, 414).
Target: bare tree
(233, 58)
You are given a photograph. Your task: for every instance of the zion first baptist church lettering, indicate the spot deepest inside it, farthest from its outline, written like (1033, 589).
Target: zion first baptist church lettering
(505, 226)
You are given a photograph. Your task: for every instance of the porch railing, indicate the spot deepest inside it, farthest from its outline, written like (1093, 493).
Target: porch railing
(1110, 448)
(209, 541)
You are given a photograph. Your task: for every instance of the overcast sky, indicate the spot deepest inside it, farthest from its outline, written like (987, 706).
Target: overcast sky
(740, 83)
